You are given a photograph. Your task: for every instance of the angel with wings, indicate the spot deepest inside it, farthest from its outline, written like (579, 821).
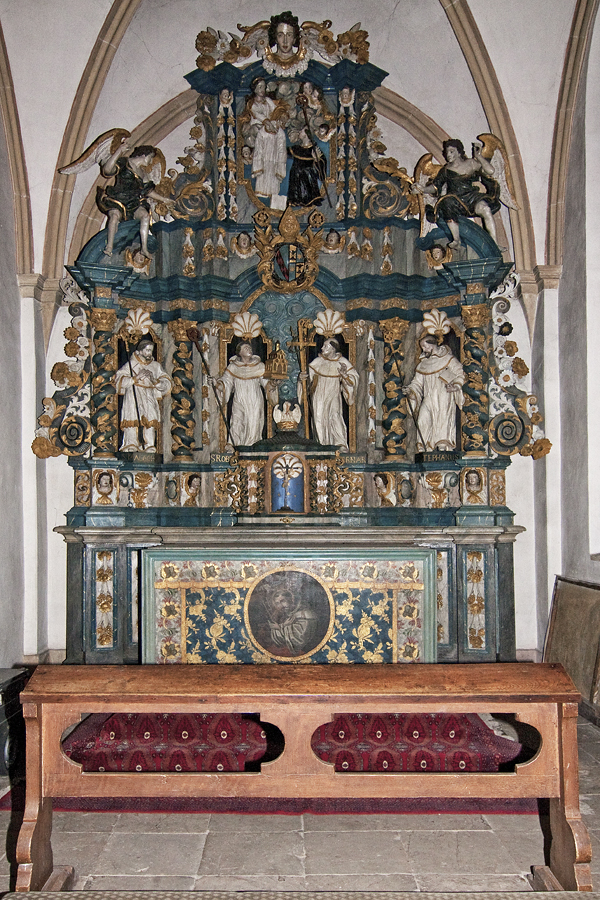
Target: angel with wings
(463, 187)
(136, 173)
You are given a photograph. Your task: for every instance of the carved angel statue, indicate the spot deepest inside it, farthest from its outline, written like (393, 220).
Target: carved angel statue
(137, 171)
(464, 187)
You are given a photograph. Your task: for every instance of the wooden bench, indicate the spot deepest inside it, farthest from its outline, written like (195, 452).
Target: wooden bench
(297, 699)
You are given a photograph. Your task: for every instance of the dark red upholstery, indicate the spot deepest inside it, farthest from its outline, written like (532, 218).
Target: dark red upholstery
(428, 742)
(162, 742)
(357, 742)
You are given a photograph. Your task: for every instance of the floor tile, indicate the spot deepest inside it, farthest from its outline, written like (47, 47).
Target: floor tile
(162, 823)
(4, 865)
(470, 883)
(83, 821)
(591, 749)
(230, 822)
(253, 854)
(588, 732)
(524, 850)
(78, 849)
(395, 823)
(595, 839)
(520, 823)
(589, 776)
(589, 804)
(139, 883)
(359, 852)
(361, 883)
(150, 854)
(458, 852)
(250, 883)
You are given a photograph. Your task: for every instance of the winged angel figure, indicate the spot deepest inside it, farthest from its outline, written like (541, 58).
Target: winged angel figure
(136, 170)
(464, 187)
(285, 46)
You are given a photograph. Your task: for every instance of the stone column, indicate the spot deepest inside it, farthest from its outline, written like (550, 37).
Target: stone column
(394, 405)
(104, 414)
(182, 395)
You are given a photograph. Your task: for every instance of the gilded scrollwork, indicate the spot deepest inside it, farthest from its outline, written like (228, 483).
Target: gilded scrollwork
(104, 397)
(64, 426)
(515, 418)
(182, 393)
(394, 405)
(475, 364)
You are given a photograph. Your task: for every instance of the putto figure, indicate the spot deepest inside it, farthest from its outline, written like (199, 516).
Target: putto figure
(332, 378)
(143, 382)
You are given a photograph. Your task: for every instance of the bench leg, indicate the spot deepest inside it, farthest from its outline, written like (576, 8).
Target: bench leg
(34, 848)
(570, 848)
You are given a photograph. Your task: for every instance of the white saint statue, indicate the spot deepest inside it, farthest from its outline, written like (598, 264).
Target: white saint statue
(266, 135)
(332, 379)
(244, 378)
(436, 391)
(143, 382)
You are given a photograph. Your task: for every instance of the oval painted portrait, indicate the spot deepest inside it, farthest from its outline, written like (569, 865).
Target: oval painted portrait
(289, 614)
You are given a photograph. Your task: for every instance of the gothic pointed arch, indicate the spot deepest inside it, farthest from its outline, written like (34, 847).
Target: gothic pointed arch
(494, 105)
(18, 168)
(579, 41)
(82, 110)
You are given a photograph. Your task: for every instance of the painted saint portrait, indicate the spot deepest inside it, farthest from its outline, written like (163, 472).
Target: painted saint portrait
(289, 614)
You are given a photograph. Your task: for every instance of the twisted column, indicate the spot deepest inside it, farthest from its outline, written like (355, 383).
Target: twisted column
(182, 394)
(394, 405)
(475, 412)
(104, 417)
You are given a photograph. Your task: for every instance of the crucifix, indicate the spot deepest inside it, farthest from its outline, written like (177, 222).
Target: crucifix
(302, 343)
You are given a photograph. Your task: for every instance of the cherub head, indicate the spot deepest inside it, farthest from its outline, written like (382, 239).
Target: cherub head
(104, 483)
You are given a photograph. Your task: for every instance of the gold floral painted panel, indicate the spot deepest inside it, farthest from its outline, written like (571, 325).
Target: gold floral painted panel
(475, 587)
(104, 582)
(231, 610)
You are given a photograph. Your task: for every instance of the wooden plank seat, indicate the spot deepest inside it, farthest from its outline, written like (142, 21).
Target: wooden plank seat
(298, 700)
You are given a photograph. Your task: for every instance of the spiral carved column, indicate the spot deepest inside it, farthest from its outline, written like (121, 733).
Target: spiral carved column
(104, 414)
(394, 405)
(182, 395)
(475, 413)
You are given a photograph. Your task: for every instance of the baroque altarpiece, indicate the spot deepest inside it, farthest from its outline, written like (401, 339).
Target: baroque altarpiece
(290, 393)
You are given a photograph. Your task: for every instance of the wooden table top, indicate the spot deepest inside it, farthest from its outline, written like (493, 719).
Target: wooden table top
(428, 683)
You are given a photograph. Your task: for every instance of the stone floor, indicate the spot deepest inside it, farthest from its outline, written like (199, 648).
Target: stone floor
(312, 853)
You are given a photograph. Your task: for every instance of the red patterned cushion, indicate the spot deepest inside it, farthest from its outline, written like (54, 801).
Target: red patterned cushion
(166, 742)
(427, 742)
